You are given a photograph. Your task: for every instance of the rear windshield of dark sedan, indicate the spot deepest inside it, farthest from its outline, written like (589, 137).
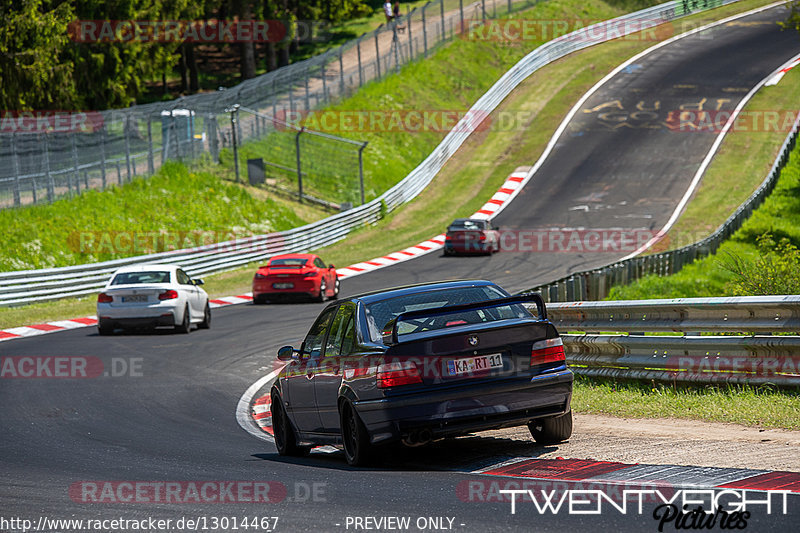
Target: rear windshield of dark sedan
(460, 225)
(135, 278)
(379, 314)
(292, 262)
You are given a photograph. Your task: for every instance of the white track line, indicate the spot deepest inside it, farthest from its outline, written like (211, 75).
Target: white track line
(243, 416)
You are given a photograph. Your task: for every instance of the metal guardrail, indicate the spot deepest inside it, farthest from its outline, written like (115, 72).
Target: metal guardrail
(22, 287)
(692, 357)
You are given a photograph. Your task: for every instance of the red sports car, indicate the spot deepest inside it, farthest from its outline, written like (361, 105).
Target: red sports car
(469, 236)
(295, 275)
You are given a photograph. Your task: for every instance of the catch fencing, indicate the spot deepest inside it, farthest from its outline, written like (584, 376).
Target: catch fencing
(56, 155)
(20, 287)
(749, 340)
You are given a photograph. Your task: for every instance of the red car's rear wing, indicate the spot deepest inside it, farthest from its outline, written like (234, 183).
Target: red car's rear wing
(390, 337)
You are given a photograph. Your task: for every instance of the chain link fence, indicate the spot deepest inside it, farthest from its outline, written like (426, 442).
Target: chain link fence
(47, 156)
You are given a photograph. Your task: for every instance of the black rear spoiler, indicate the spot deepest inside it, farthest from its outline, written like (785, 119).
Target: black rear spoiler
(487, 304)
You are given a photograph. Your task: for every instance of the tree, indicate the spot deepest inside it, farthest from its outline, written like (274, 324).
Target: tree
(32, 38)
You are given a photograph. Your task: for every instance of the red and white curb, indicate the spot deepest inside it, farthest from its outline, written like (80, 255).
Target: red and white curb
(496, 203)
(782, 72)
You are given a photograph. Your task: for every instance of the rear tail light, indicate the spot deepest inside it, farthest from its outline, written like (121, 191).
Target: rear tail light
(104, 298)
(396, 374)
(168, 295)
(482, 238)
(448, 237)
(310, 274)
(548, 351)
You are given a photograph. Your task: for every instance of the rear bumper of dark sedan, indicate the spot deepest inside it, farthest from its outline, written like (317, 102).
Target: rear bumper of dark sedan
(464, 409)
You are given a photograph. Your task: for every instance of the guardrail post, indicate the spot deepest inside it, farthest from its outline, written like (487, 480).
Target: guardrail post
(552, 291)
(299, 170)
(361, 169)
(358, 52)
(234, 111)
(424, 31)
(378, 51)
(15, 167)
(151, 167)
(75, 163)
(570, 290)
(51, 186)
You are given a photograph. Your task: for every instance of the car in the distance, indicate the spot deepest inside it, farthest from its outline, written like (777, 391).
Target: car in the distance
(292, 275)
(471, 236)
(152, 296)
(420, 363)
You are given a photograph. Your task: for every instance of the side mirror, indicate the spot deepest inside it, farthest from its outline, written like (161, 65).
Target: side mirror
(331, 266)
(286, 353)
(198, 281)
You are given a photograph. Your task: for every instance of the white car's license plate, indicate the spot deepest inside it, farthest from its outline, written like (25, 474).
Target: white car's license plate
(283, 285)
(456, 367)
(135, 298)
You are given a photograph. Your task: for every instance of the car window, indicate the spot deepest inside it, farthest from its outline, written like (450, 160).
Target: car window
(183, 278)
(459, 225)
(134, 278)
(312, 346)
(341, 341)
(380, 313)
(319, 263)
(288, 262)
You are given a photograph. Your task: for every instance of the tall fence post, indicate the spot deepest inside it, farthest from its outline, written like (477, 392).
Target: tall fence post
(125, 126)
(15, 167)
(378, 51)
(191, 137)
(299, 170)
(483, 10)
(75, 163)
(103, 154)
(151, 167)
(508, 6)
(410, 41)
(51, 186)
(324, 85)
(341, 73)
(361, 169)
(308, 105)
(461, 14)
(358, 53)
(234, 111)
(274, 97)
(424, 32)
(213, 140)
(441, 16)
(396, 46)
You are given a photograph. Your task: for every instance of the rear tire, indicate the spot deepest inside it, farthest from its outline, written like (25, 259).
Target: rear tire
(105, 329)
(552, 430)
(186, 325)
(285, 440)
(357, 447)
(336, 287)
(206, 323)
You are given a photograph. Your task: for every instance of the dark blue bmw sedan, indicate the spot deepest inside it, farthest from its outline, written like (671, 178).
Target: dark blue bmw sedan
(419, 363)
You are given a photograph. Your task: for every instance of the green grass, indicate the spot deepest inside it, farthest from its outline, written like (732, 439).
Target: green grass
(757, 407)
(184, 206)
(779, 215)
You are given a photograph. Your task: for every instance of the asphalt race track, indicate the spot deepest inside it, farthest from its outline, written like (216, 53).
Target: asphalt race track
(166, 410)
